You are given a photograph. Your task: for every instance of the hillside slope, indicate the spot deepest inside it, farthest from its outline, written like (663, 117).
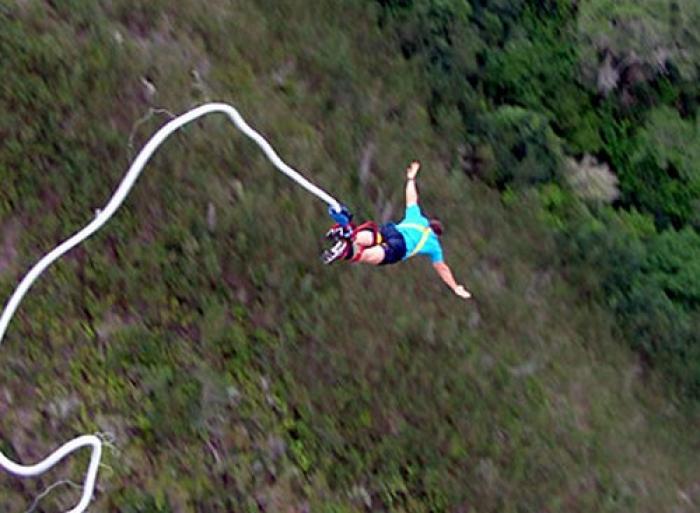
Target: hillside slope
(199, 328)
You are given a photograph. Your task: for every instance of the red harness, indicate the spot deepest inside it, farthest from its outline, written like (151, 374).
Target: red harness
(370, 226)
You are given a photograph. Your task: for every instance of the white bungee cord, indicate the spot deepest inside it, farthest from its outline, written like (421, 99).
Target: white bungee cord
(101, 218)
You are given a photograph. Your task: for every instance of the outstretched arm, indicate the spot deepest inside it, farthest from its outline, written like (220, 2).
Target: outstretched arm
(445, 274)
(411, 191)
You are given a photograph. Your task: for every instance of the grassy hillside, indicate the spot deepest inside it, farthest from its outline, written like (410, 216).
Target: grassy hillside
(199, 328)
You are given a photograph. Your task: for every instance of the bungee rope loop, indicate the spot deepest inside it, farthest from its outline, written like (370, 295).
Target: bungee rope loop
(336, 210)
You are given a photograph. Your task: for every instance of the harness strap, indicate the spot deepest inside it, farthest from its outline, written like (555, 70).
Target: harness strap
(425, 230)
(369, 226)
(357, 255)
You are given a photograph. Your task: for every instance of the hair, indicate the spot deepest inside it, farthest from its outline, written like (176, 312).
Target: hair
(436, 226)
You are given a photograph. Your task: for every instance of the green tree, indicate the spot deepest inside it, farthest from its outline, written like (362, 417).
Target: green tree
(441, 34)
(536, 66)
(639, 39)
(523, 147)
(662, 176)
(651, 282)
(660, 307)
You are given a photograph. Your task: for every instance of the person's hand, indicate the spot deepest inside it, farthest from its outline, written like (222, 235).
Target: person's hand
(462, 292)
(412, 170)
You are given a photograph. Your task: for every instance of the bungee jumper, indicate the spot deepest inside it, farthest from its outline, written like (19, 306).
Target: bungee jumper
(373, 244)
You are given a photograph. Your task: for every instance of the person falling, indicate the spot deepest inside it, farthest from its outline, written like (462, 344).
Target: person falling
(390, 243)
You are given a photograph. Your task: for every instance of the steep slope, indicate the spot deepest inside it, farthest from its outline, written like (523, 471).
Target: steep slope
(234, 371)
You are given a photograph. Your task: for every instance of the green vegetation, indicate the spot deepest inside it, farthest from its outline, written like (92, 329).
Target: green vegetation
(238, 374)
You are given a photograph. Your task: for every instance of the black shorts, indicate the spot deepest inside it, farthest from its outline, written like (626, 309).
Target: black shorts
(393, 243)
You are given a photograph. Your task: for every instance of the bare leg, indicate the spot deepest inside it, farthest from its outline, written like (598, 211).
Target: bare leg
(372, 256)
(365, 238)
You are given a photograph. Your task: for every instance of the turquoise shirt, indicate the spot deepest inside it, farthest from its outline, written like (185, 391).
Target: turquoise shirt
(412, 228)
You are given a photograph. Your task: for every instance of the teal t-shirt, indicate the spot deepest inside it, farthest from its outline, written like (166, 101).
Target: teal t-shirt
(412, 228)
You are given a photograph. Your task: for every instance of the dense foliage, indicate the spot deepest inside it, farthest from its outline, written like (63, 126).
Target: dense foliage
(559, 142)
(611, 79)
